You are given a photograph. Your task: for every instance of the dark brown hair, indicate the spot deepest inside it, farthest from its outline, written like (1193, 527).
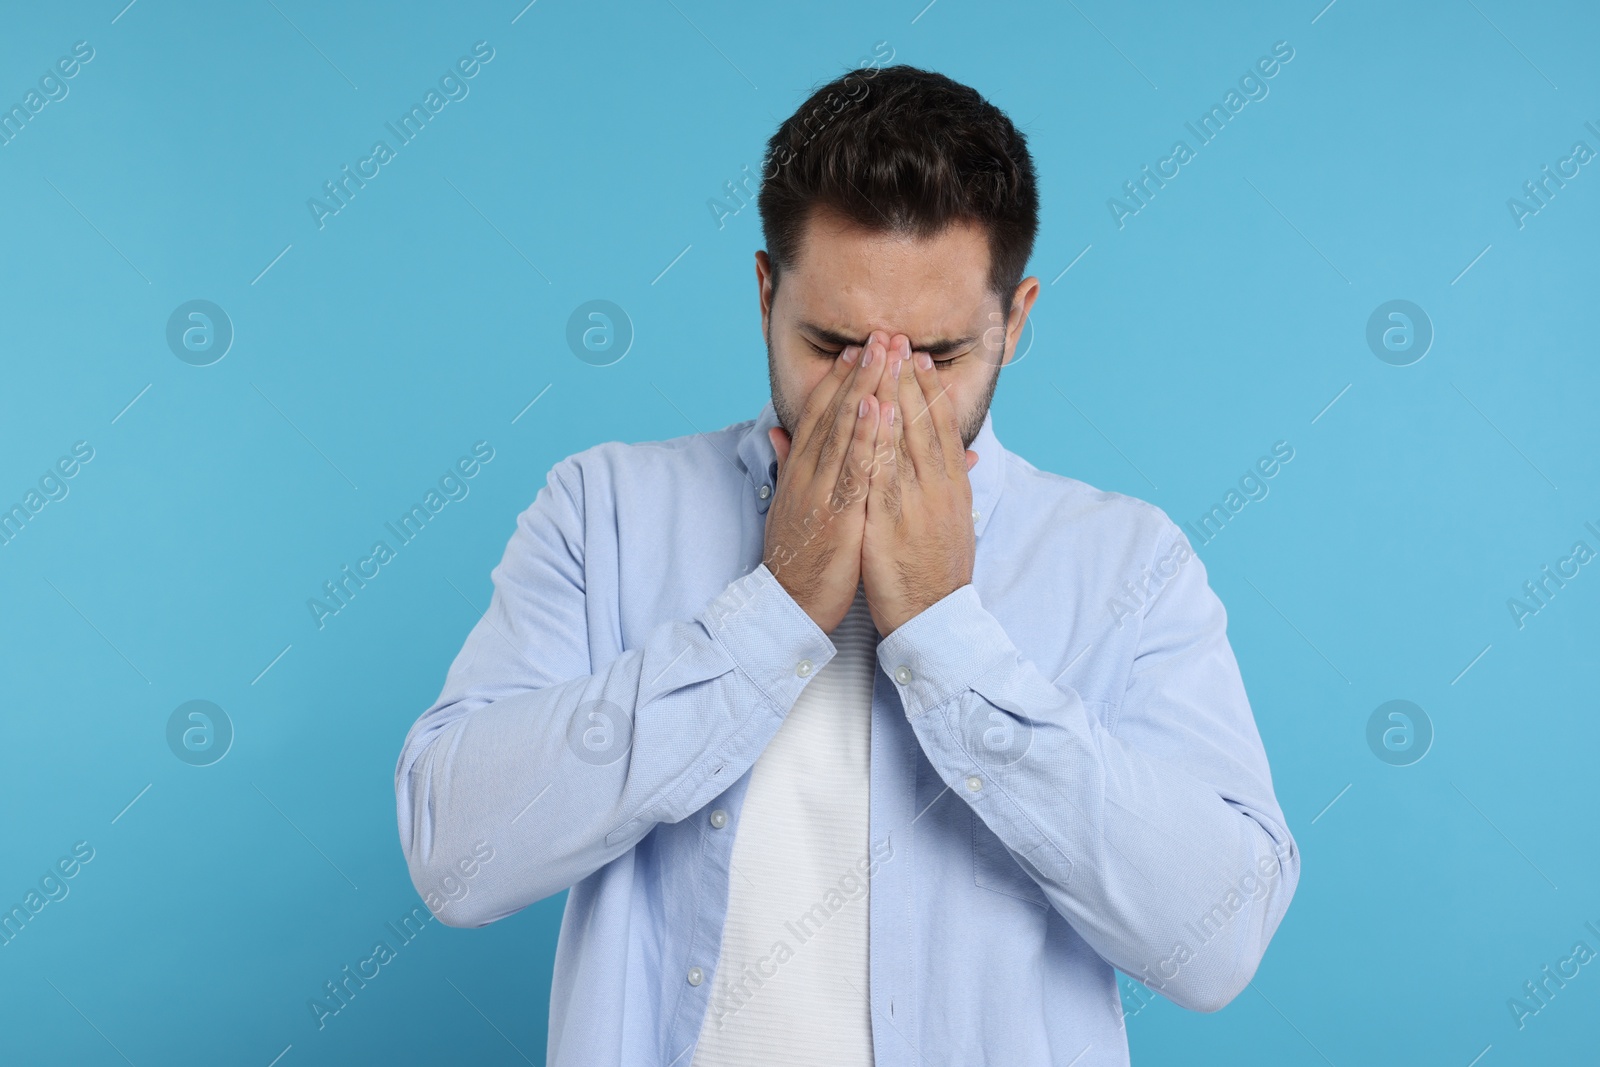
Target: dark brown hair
(905, 150)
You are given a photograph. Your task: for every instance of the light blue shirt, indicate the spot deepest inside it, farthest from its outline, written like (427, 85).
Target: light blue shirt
(1066, 776)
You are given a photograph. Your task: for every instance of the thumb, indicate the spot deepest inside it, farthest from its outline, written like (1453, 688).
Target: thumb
(972, 459)
(780, 443)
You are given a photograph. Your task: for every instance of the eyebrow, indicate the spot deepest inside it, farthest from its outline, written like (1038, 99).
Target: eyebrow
(933, 348)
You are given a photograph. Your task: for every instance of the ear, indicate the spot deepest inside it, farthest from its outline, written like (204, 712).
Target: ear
(764, 290)
(1021, 303)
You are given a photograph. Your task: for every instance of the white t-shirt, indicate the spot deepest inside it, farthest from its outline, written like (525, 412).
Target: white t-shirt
(790, 985)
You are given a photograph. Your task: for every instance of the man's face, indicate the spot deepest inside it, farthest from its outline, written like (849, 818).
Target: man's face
(848, 281)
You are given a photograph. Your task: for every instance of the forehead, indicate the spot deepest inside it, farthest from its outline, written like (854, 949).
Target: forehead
(855, 279)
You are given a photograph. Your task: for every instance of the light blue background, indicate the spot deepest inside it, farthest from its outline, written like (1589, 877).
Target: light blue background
(428, 314)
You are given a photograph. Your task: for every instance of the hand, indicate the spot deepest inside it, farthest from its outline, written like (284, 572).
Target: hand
(818, 512)
(918, 546)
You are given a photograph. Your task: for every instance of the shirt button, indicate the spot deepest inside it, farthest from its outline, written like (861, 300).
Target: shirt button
(974, 515)
(803, 668)
(974, 783)
(902, 674)
(764, 492)
(719, 818)
(695, 975)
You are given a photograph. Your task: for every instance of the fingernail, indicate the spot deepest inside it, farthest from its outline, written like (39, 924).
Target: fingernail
(891, 413)
(924, 361)
(849, 354)
(861, 412)
(894, 368)
(866, 360)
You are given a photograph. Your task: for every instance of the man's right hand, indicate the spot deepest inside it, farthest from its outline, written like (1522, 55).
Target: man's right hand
(818, 513)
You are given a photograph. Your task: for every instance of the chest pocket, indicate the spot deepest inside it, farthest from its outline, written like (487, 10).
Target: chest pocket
(993, 866)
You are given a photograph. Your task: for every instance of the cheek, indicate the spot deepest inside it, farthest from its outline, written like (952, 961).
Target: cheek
(953, 383)
(802, 377)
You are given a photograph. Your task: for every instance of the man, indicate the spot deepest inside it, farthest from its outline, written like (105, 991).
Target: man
(857, 738)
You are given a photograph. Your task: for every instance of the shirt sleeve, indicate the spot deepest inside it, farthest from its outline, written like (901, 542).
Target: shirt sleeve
(559, 767)
(1158, 838)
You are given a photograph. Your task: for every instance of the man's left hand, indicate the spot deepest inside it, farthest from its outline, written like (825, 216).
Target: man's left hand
(919, 544)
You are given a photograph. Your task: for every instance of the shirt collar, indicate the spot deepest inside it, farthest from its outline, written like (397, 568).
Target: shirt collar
(760, 461)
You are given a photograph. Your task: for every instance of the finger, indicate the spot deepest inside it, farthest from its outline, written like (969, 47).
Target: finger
(883, 493)
(823, 423)
(834, 455)
(899, 390)
(820, 402)
(855, 475)
(781, 444)
(832, 448)
(921, 432)
(938, 411)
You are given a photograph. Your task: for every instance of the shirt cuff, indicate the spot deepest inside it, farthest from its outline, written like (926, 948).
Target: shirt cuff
(768, 635)
(940, 652)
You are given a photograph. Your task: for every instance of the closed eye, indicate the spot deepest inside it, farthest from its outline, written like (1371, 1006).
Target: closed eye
(834, 354)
